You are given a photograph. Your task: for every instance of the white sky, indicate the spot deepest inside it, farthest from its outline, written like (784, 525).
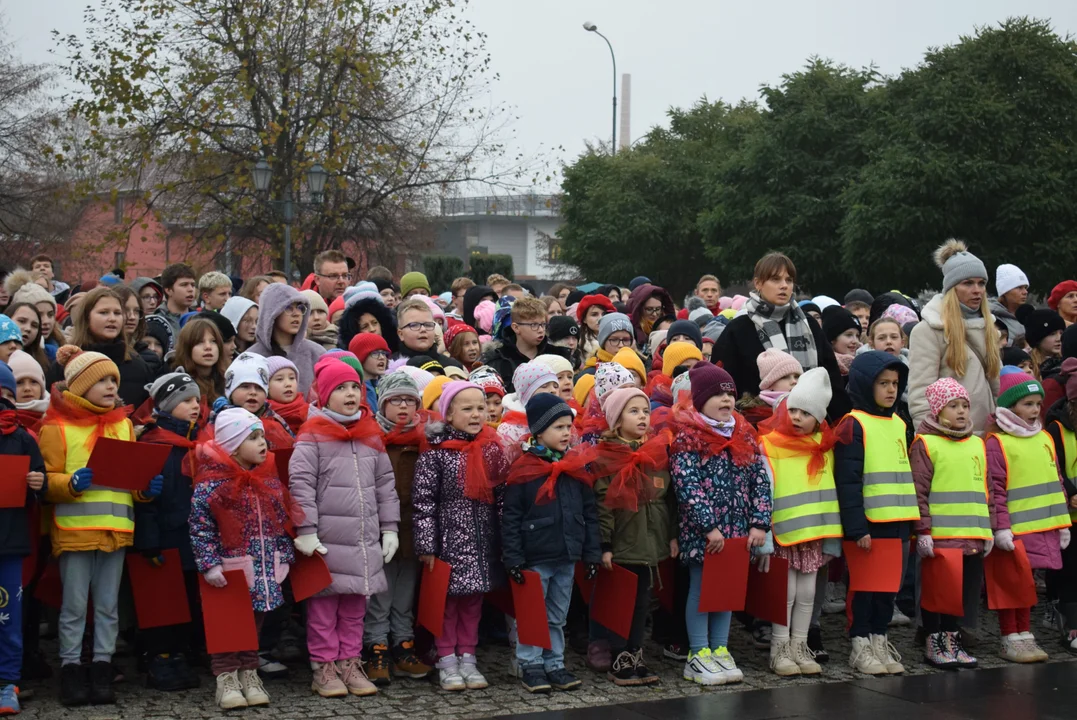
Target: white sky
(557, 78)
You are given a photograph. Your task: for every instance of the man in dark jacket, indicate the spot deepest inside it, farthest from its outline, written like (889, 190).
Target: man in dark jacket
(523, 341)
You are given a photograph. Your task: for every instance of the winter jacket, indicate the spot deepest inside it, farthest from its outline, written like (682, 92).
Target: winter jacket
(1014, 328)
(635, 303)
(349, 322)
(463, 532)
(642, 537)
(162, 523)
(739, 345)
(506, 358)
(923, 472)
(304, 353)
(347, 494)
(849, 459)
(16, 531)
(403, 459)
(560, 532)
(927, 363)
(135, 374)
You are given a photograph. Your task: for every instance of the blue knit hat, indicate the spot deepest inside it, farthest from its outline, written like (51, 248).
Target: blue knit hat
(9, 330)
(7, 378)
(543, 410)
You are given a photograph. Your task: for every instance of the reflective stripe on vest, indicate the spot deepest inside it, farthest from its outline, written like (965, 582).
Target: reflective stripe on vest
(889, 493)
(1034, 497)
(802, 511)
(1069, 447)
(98, 508)
(958, 497)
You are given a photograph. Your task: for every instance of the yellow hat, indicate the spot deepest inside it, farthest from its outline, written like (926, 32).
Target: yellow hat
(629, 358)
(82, 370)
(676, 353)
(432, 391)
(583, 388)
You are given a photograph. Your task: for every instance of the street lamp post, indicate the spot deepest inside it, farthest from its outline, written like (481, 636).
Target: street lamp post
(316, 177)
(591, 27)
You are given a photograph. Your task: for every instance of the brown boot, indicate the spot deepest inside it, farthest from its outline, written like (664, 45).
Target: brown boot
(407, 664)
(377, 664)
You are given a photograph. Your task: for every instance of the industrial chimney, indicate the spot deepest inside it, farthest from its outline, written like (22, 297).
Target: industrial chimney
(626, 110)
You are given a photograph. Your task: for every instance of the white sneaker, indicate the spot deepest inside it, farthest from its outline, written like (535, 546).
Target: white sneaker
(253, 689)
(862, 658)
(781, 659)
(230, 692)
(729, 667)
(834, 600)
(1011, 648)
(1035, 652)
(899, 619)
(449, 677)
(887, 654)
(473, 679)
(804, 657)
(701, 668)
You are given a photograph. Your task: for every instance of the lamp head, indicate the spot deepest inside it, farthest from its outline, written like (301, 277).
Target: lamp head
(590, 27)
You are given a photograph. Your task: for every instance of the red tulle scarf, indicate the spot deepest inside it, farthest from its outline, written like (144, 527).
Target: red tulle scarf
(294, 412)
(631, 484)
(694, 434)
(779, 431)
(30, 419)
(166, 437)
(592, 421)
(9, 422)
(365, 430)
(530, 466)
(415, 436)
(514, 417)
(65, 411)
(478, 485)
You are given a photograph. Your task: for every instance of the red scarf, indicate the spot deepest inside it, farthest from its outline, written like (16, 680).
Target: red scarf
(694, 434)
(294, 412)
(632, 484)
(366, 430)
(478, 485)
(30, 419)
(530, 466)
(64, 408)
(9, 421)
(415, 436)
(592, 421)
(514, 417)
(161, 436)
(779, 431)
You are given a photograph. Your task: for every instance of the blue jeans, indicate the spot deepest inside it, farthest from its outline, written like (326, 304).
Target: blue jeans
(10, 619)
(557, 588)
(705, 630)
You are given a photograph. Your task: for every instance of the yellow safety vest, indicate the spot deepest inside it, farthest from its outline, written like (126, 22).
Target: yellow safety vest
(802, 511)
(958, 497)
(1069, 447)
(889, 493)
(1034, 498)
(98, 508)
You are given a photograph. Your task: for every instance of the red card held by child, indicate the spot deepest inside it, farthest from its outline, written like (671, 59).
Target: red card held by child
(310, 575)
(941, 582)
(228, 615)
(126, 465)
(13, 486)
(1010, 585)
(875, 570)
(666, 590)
(614, 600)
(282, 457)
(725, 577)
(587, 587)
(532, 626)
(767, 591)
(159, 591)
(433, 592)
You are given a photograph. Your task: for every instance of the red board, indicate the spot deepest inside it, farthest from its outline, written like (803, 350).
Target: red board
(940, 582)
(532, 625)
(614, 600)
(159, 591)
(875, 570)
(228, 615)
(126, 465)
(1010, 585)
(433, 591)
(725, 577)
(310, 575)
(13, 487)
(768, 592)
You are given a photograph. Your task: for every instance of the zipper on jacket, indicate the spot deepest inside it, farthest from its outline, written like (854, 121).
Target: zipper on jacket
(362, 518)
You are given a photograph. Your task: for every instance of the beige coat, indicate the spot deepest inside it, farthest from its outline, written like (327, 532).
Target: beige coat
(927, 363)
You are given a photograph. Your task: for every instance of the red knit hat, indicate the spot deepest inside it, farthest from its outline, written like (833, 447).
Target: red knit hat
(457, 329)
(1060, 291)
(365, 343)
(336, 306)
(330, 373)
(590, 301)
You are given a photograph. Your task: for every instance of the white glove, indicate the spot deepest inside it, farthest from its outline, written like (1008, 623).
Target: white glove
(215, 576)
(308, 544)
(390, 543)
(925, 546)
(1004, 540)
(989, 545)
(1064, 538)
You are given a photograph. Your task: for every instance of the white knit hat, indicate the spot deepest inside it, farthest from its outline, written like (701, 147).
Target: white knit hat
(235, 308)
(247, 368)
(555, 363)
(812, 393)
(1009, 277)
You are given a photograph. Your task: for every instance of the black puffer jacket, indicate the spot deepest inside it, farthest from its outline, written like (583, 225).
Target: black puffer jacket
(506, 357)
(163, 523)
(135, 374)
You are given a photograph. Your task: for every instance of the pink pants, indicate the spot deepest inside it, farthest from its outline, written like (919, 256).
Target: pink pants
(460, 631)
(1014, 621)
(335, 627)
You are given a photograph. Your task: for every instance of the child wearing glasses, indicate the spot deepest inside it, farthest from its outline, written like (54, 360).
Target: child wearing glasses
(523, 341)
(282, 331)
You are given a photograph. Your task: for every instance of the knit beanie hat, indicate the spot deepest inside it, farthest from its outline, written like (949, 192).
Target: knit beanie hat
(1041, 323)
(1014, 386)
(232, 426)
(610, 376)
(941, 392)
(413, 281)
(1060, 291)
(709, 380)
(449, 392)
(317, 302)
(365, 343)
(543, 410)
(82, 370)
(397, 384)
(700, 316)
(432, 392)
(458, 329)
(676, 353)
(9, 330)
(1014, 356)
(562, 327)
(958, 264)
(329, 374)
(23, 365)
(1009, 277)
(555, 363)
(616, 402)
(629, 358)
(837, 320)
(823, 302)
(812, 393)
(7, 378)
(611, 323)
(858, 295)
(901, 314)
(33, 293)
(350, 360)
(529, 377)
(235, 308)
(484, 315)
(421, 377)
(169, 390)
(774, 365)
(681, 384)
(689, 328)
(246, 368)
(637, 281)
(488, 380)
(160, 329)
(276, 363)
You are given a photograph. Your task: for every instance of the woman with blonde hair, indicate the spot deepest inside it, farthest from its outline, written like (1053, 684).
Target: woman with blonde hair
(957, 337)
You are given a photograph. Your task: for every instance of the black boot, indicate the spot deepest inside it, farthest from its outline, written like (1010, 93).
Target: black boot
(188, 677)
(74, 685)
(101, 677)
(161, 674)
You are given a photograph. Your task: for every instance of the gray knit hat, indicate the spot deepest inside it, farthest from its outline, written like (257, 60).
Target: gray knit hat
(611, 323)
(812, 393)
(396, 384)
(168, 391)
(958, 264)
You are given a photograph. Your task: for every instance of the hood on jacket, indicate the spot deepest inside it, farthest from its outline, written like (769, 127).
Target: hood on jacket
(275, 298)
(1014, 328)
(472, 297)
(862, 374)
(637, 300)
(349, 323)
(140, 282)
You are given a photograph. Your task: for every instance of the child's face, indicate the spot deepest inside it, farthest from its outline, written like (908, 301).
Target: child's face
(346, 398)
(252, 451)
(847, 343)
(720, 407)
(493, 408)
(376, 363)
(571, 342)
(887, 338)
(28, 390)
(1052, 344)
(1026, 366)
(188, 410)
(471, 348)
(319, 321)
(467, 411)
(786, 383)
(885, 388)
(635, 419)
(557, 436)
(400, 409)
(283, 386)
(593, 317)
(8, 349)
(530, 331)
(551, 387)
(153, 346)
(206, 353)
(564, 385)
(802, 421)
(955, 414)
(103, 393)
(863, 315)
(1028, 408)
(249, 396)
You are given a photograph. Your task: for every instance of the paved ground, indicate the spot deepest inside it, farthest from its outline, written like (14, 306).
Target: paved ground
(292, 698)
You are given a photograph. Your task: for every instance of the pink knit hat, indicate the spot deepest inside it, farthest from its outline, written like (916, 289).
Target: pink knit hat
(903, 315)
(941, 392)
(451, 390)
(435, 309)
(616, 401)
(529, 377)
(329, 374)
(276, 363)
(774, 365)
(484, 315)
